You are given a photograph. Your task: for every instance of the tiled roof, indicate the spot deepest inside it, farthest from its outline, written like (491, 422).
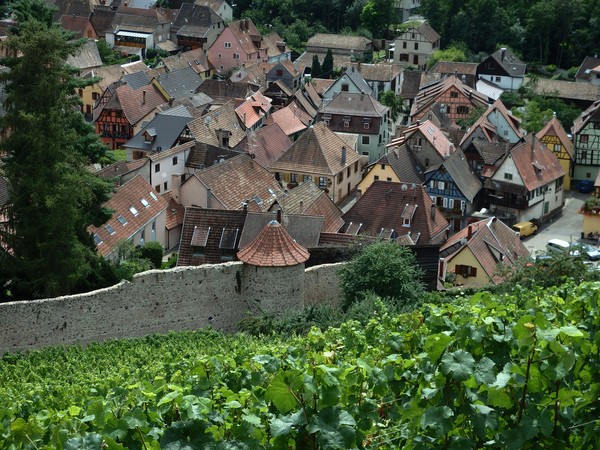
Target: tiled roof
(305, 103)
(592, 113)
(266, 144)
(428, 32)
(107, 74)
(255, 74)
(220, 230)
(318, 151)
(130, 214)
(555, 128)
(328, 239)
(404, 165)
(101, 19)
(308, 198)
(175, 212)
(166, 130)
(358, 80)
(491, 152)
(239, 179)
(537, 165)
(382, 205)
(87, 57)
(204, 155)
(253, 109)
(273, 247)
(489, 129)
(312, 94)
(205, 128)
(491, 242)
(379, 72)
(431, 93)
(180, 82)
(196, 59)
(569, 90)
(458, 168)
(198, 18)
(76, 24)
(411, 83)
(291, 119)
(275, 46)
(244, 31)
(137, 104)
(137, 79)
(339, 60)
(338, 41)
(185, 147)
(431, 133)
(223, 91)
(355, 105)
(584, 72)
(449, 68)
(303, 229)
(321, 85)
(511, 64)
(138, 19)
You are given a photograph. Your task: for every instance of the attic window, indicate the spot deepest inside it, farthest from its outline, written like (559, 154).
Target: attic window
(153, 195)
(228, 238)
(345, 87)
(538, 166)
(145, 202)
(97, 239)
(110, 229)
(200, 237)
(122, 219)
(133, 210)
(453, 94)
(353, 228)
(257, 199)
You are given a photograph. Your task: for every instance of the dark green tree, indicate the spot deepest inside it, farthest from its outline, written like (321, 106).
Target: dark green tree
(377, 16)
(389, 98)
(327, 67)
(386, 269)
(315, 69)
(53, 198)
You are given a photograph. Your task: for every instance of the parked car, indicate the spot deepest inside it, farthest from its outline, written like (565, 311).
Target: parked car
(585, 186)
(558, 246)
(524, 229)
(587, 251)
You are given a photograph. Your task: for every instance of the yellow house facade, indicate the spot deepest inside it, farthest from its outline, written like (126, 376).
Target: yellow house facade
(554, 136)
(469, 272)
(378, 171)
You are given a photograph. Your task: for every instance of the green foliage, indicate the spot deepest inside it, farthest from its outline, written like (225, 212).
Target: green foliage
(512, 100)
(327, 66)
(315, 69)
(389, 98)
(533, 118)
(572, 72)
(518, 371)
(170, 263)
(153, 252)
(108, 55)
(377, 16)
(473, 117)
(385, 268)
(454, 53)
(48, 211)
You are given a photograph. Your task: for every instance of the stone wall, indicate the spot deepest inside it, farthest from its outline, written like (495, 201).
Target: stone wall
(184, 298)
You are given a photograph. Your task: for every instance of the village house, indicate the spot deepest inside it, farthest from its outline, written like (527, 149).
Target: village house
(265, 144)
(220, 127)
(466, 71)
(323, 157)
(427, 143)
(584, 73)
(292, 119)
(221, 7)
(362, 115)
(504, 69)
(473, 255)
(351, 82)
(528, 183)
(253, 111)
(416, 45)
(345, 50)
(554, 136)
(381, 77)
(586, 141)
(196, 26)
(196, 59)
(496, 124)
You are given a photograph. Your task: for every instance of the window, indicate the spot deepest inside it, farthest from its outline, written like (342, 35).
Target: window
(365, 153)
(356, 167)
(389, 178)
(154, 197)
(95, 96)
(376, 177)
(133, 210)
(219, 57)
(157, 187)
(383, 167)
(143, 236)
(465, 271)
(345, 87)
(497, 78)
(366, 125)
(236, 56)
(461, 109)
(110, 229)
(322, 182)
(346, 123)
(306, 178)
(453, 94)
(279, 72)
(165, 186)
(427, 162)
(583, 139)
(416, 46)
(145, 203)
(508, 176)
(174, 160)
(293, 177)
(404, 45)
(365, 140)
(122, 220)
(97, 239)
(441, 185)
(348, 172)
(413, 35)
(227, 44)
(157, 168)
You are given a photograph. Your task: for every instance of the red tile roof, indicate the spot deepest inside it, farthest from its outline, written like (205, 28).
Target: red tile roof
(537, 165)
(267, 144)
(273, 247)
(383, 204)
(291, 119)
(253, 109)
(137, 104)
(128, 203)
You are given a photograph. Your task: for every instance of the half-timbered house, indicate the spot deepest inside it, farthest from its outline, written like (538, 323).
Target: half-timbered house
(586, 139)
(416, 45)
(554, 136)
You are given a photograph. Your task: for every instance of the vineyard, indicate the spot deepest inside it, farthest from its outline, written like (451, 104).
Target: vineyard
(491, 371)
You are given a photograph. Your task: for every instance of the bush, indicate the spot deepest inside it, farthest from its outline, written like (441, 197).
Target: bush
(385, 269)
(153, 252)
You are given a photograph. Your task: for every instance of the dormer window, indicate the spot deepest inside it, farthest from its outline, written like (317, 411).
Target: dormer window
(149, 135)
(145, 203)
(133, 210)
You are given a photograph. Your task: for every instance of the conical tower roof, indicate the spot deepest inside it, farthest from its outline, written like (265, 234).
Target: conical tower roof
(273, 247)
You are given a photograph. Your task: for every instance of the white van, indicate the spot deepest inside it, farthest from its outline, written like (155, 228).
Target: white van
(560, 246)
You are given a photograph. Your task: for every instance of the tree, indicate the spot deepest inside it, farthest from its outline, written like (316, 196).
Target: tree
(532, 116)
(455, 53)
(386, 269)
(315, 69)
(389, 98)
(53, 198)
(327, 67)
(377, 16)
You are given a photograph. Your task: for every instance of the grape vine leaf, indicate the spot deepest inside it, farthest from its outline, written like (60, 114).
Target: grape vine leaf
(334, 427)
(187, 435)
(280, 394)
(459, 364)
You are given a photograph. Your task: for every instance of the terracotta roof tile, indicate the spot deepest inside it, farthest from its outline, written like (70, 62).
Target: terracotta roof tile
(537, 165)
(273, 247)
(224, 118)
(130, 213)
(266, 144)
(139, 103)
(253, 109)
(175, 213)
(291, 119)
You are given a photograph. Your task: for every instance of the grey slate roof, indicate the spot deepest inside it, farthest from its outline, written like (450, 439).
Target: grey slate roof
(305, 230)
(196, 19)
(458, 168)
(404, 165)
(87, 57)
(511, 64)
(205, 155)
(136, 80)
(166, 127)
(355, 104)
(180, 83)
(358, 80)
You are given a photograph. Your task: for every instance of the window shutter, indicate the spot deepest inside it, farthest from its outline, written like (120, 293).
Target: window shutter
(462, 205)
(432, 184)
(433, 199)
(445, 202)
(473, 271)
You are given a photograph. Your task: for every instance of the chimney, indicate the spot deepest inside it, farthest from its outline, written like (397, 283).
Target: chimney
(279, 216)
(144, 97)
(343, 155)
(433, 210)
(469, 232)
(502, 53)
(358, 193)
(362, 96)
(208, 198)
(301, 206)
